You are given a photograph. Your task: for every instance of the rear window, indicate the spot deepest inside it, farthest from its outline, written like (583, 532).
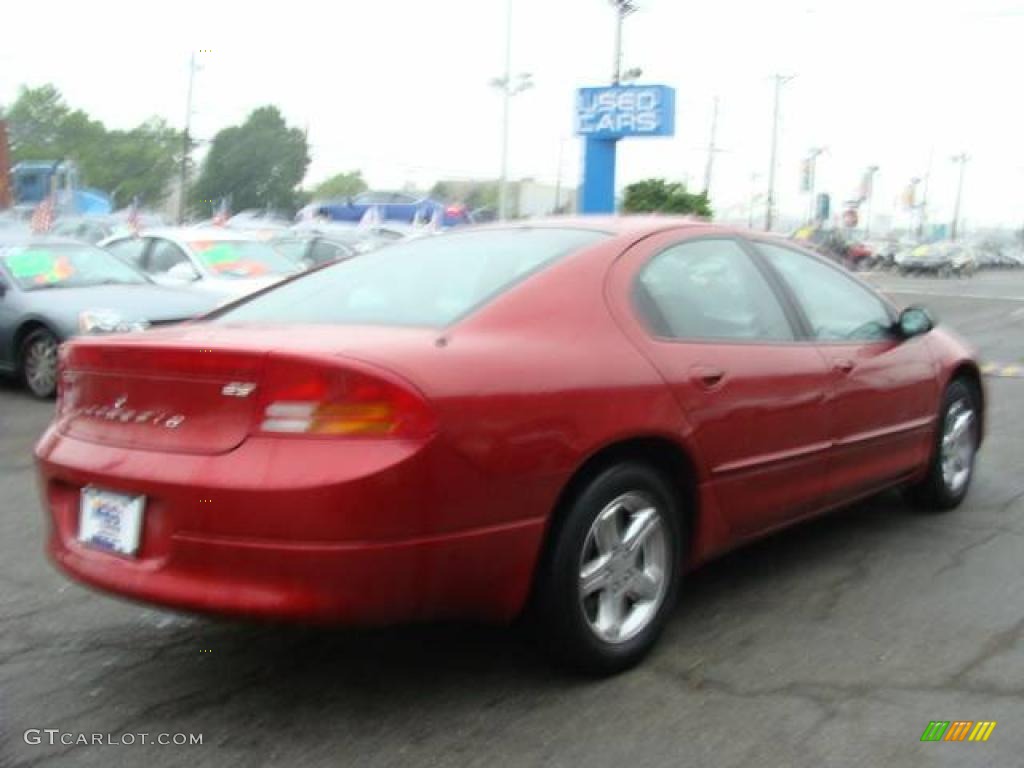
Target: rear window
(431, 281)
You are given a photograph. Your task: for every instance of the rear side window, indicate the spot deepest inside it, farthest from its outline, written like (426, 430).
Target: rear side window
(837, 308)
(431, 281)
(129, 250)
(706, 290)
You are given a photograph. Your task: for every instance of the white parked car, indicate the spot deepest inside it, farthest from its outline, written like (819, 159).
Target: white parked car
(223, 261)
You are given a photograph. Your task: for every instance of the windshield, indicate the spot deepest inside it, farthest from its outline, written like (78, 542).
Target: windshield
(427, 282)
(66, 266)
(241, 258)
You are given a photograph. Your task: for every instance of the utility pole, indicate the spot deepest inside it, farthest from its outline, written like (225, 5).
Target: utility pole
(623, 8)
(780, 80)
(867, 193)
(711, 151)
(961, 159)
(812, 160)
(508, 90)
(753, 199)
(558, 176)
(923, 212)
(186, 148)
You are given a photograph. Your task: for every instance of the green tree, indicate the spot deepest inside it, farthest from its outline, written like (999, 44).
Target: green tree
(341, 185)
(661, 196)
(41, 126)
(258, 164)
(139, 163)
(126, 164)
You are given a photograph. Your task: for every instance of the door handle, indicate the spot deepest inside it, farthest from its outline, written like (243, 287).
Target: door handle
(707, 376)
(843, 364)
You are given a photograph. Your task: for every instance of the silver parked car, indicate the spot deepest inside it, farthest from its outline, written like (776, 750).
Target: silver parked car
(223, 261)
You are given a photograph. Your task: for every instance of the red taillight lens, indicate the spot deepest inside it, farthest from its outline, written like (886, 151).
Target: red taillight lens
(303, 398)
(454, 211)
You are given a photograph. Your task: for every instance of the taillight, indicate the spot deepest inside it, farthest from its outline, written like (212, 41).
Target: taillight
(304, 398)
(454, 211)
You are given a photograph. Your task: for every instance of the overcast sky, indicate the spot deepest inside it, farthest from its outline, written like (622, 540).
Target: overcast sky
(399, 88)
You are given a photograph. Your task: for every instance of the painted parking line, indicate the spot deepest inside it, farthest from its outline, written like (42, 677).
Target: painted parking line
(1003, 371)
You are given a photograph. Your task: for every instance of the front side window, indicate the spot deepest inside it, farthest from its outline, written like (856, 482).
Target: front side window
(837, 308)
(707, 290)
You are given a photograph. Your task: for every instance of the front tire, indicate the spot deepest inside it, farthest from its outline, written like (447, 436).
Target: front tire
(39, 363)
(953, 455)
(610, 578)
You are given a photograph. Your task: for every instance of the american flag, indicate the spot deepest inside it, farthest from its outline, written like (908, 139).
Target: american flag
(134, 220)
(42, 217)
(223, 213)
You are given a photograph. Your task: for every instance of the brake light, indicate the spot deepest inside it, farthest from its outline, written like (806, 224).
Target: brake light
(302, 398)
(454, 211)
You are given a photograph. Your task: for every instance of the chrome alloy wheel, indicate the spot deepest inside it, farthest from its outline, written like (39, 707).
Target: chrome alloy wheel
(41, 365)
(959, 442)
(623, 575)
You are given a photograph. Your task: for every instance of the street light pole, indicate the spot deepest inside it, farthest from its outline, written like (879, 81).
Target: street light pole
(622, 9)
(186, 141)
(505, 102)
(780, 80)
(711, 151)
(962, 159)
(869, 193)
(812, 160)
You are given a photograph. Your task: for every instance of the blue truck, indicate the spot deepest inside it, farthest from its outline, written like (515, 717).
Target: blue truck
(390, 206)
(32, 182)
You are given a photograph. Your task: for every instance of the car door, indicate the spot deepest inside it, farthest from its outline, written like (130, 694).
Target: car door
(702, 310)
(884, 391)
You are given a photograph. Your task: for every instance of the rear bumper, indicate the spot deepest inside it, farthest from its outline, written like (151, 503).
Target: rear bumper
(359, 534)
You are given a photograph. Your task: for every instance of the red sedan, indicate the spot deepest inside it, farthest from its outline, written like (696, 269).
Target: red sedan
(566, 415)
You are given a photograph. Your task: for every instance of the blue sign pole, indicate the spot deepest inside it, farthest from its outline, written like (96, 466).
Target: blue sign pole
(605, 115)
(598, 176)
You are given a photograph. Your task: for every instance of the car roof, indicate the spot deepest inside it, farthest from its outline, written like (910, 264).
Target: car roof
(198, 233)
(14, 239)
(639, 225)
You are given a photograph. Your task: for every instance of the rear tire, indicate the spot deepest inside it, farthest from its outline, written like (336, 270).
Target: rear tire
(610, 578)
(951, 467)
(39, 363)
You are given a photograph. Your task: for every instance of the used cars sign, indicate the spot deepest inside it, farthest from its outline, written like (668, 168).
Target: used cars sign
(617, 112)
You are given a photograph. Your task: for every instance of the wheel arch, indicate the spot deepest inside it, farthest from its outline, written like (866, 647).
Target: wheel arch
(23, 331)
(667, 456)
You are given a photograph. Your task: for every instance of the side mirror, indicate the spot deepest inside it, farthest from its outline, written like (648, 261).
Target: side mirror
(183, 271)
(914, 321)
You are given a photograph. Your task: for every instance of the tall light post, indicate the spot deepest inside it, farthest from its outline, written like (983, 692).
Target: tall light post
(712, 149)
(623, 8)
(509, 87)
(780, 80)
(960, 159)
(867, 192)
(186, 147)
(812, 172)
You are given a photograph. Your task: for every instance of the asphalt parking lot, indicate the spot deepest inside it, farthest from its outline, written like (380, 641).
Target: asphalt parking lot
(831, 644)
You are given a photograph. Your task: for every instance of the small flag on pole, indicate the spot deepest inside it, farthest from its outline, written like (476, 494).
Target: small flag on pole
(223, 213)
(42, 217)
(134, 221)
